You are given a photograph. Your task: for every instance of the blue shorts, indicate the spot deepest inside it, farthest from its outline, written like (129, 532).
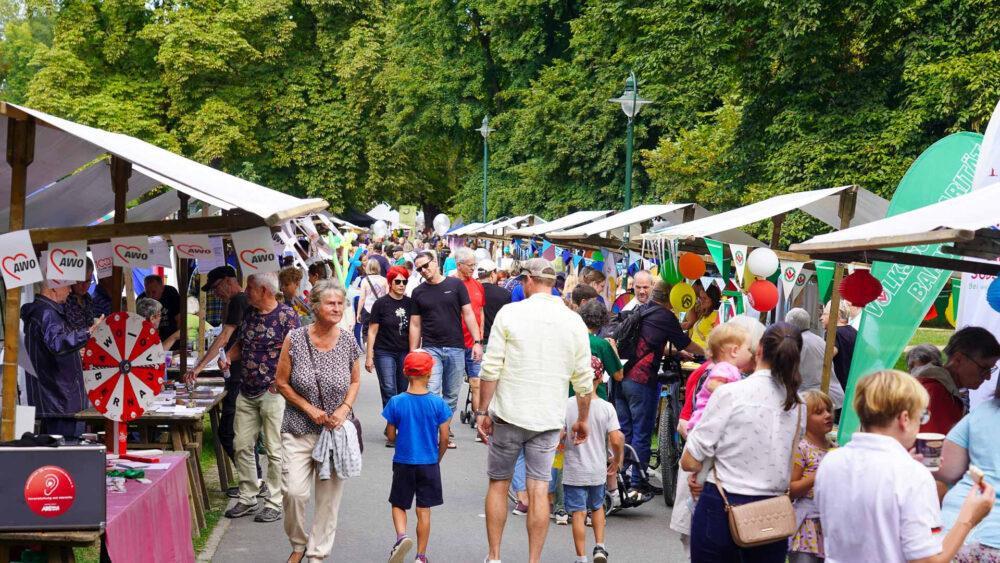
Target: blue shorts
(471, 367)
(421, 481)
(583, 498)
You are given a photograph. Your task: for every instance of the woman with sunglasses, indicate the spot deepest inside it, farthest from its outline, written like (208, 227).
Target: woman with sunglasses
(389, 336)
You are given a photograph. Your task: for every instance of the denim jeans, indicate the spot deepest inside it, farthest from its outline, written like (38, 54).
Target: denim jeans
(446, 379)
(636, 406)
(711, 540)
(389, 368)
(520, 481)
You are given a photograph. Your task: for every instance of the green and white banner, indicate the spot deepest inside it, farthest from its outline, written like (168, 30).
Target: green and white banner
(943, 171)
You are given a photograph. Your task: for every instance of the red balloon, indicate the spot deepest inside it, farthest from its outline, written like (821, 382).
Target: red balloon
(691, 266)
(763, 295)
(860, 288)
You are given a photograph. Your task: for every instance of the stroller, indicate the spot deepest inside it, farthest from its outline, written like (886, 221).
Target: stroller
(467, 416)
(627, 499)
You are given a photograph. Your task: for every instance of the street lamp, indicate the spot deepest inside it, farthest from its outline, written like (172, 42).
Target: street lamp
(631, 103)
(485, 131)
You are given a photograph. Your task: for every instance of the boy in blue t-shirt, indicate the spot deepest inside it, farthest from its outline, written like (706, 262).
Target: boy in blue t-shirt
(418, 424)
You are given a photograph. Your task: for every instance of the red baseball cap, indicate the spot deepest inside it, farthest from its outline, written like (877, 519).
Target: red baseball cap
(418, 363)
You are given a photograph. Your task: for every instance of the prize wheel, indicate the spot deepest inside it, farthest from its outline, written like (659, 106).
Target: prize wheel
(123, 366)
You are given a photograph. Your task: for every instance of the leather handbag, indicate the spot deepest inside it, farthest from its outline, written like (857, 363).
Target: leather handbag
(353, 419)
(763, 521)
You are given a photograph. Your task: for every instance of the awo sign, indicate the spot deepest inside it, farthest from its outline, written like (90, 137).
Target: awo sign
(789, 275)
(130, 252)
(66, 261)
(739, 253)
(255, 251)
(194, 247)
(18, 260)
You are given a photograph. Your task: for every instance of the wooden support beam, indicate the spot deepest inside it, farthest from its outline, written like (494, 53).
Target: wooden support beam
(20, 153)
(918, 239)
(183, 281)
(104, 231)
(121, 170)
(939, 262)
(776, 222)
(848, 200)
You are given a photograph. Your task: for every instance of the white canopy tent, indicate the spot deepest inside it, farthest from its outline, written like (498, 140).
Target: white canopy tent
(822, 204)
(568, 222)
(464, 230)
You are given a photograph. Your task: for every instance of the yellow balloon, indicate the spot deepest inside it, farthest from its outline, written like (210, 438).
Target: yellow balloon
(682, 297)
(949, 311)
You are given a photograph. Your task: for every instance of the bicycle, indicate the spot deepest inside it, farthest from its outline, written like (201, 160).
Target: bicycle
(671, 444)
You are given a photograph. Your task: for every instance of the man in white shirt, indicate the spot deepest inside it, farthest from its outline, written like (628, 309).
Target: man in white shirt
(537, 348)
(811, 358)
(642, 284)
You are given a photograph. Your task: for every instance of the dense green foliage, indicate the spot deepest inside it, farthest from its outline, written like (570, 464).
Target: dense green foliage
(359, 102)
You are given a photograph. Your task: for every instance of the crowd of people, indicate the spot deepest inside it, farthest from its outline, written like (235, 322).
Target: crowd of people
(557, 397)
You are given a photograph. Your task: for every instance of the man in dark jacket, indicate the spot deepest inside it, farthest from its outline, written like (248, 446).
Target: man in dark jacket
(53, 347)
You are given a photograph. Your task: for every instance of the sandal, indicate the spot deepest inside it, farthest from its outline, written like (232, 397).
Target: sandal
(293, 559)
(452, 445)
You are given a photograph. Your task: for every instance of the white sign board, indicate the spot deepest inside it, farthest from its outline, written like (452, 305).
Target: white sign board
(103, 263)
(66, 261)
(159, 252)
(18, 260)
(131, 252)
(194, 247)
(255, 251)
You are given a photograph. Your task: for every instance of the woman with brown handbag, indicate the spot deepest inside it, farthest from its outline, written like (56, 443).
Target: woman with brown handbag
(747, 435)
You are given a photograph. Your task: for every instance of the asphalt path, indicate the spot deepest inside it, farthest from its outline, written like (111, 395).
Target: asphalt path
(458, 528)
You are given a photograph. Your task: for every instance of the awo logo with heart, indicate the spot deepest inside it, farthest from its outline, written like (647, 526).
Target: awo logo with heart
(194, 250)
(17, 264)
(789, 273)
(801, 280)
(130, 253)
(738, 258)
(254, 256)
(60, 258)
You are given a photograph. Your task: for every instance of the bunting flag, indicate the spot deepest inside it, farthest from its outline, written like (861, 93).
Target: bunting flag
(739, 253)
(824, 278)
(548, 251)
(789, 273)
(576, 261)
(800, 282)
(718, 256)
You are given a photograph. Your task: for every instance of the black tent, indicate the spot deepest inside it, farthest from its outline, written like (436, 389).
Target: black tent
(357, 217)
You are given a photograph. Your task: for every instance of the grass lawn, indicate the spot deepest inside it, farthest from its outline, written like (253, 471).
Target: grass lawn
(936, 336)
(217, 500)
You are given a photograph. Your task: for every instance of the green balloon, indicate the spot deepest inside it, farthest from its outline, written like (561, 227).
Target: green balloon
(669, 273)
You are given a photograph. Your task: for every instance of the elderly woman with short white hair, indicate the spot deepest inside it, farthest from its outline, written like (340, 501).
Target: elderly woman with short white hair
(319, 374)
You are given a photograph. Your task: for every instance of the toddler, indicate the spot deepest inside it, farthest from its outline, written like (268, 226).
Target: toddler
(729, 347)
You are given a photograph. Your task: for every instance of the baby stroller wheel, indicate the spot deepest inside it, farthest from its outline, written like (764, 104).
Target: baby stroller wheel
(464, 417)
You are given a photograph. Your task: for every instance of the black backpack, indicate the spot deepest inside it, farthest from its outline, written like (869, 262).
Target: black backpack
(625, 329)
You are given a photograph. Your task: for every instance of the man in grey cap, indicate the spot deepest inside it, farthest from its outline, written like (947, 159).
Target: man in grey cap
(538, 347)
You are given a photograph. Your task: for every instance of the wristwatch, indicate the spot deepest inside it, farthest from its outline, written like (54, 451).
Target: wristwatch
(477, 342)
(481, 413)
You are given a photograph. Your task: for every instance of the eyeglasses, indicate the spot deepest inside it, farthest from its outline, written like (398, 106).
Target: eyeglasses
(423, 266)
(398, 281)
(990, 368)
(925, 418)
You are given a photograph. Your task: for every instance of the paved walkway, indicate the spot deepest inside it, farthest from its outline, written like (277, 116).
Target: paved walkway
(458, 530)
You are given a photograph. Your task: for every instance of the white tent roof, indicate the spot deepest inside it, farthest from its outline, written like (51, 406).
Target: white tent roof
(970, 212)
(63, 147)
(822, 204)
(501, 227)
(465, 229)
(618, 222)
(567, 222)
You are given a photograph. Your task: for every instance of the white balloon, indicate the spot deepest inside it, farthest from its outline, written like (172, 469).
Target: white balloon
(482, 254)
(441, 224)
(420, 221)
(379, 229)
(762, 262)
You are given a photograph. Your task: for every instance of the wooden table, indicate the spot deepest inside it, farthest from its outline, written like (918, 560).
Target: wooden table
(58, 545)
(185, 434)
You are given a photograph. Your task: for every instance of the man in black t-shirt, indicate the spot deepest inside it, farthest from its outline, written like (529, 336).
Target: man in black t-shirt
(439, 306)
(223, 284)
(168, 296)
(496, 296)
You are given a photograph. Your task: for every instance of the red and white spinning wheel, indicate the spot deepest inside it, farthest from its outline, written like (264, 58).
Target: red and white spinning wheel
(123, 367)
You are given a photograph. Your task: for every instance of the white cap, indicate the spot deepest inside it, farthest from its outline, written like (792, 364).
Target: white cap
(485, 267)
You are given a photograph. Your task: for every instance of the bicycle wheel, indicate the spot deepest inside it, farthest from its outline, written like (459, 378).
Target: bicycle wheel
(669, 453)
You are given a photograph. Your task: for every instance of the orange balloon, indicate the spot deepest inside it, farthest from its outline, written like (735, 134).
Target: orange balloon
(691, 266)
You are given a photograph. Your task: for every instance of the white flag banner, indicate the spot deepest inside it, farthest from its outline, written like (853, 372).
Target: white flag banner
(159, 252)
(18, 260)
(193, 247)
(66, 261)
(103, 263)
(255, 251)
(789, 273)
(800, 282)
(131, 252)
(739, 253)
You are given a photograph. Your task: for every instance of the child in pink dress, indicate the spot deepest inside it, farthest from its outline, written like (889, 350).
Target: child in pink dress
(729, 347)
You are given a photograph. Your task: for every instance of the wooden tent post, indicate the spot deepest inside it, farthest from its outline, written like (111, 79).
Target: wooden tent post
(202, 300)
(848, 199)
(121, 170)
(183, 281)
(20, 153)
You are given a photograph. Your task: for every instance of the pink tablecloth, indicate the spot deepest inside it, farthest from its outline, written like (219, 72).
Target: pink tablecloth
(152, 522)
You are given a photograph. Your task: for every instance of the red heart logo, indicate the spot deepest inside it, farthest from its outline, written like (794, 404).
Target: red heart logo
(251, 251)
(800, 280)
(119, 247)
(789, 274)
(739, 257)
(190, 249)
(14, 258)
(52, 257)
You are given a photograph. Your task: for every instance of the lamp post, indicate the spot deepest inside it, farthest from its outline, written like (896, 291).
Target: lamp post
(632, 104)
(485, 131)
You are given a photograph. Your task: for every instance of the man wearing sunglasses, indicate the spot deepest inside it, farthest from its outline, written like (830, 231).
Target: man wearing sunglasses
(972, 355)
(440, 305)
